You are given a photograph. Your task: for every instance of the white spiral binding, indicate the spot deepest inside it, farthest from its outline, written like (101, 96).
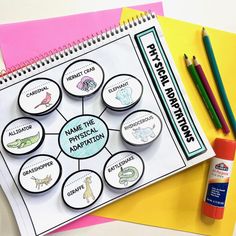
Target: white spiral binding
(55, 55)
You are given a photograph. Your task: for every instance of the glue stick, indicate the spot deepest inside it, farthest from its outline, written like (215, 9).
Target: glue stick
(218, 178)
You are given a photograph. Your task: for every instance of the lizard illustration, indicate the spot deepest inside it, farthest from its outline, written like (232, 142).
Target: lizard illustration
(24, 142)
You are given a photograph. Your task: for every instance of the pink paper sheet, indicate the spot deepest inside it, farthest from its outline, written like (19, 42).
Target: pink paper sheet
(21, 41)
(83, 222)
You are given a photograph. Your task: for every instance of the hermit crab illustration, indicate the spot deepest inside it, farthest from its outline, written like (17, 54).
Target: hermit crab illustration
(87, 84)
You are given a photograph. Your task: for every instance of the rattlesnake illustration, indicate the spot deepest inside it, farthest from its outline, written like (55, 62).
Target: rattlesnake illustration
(128, 174)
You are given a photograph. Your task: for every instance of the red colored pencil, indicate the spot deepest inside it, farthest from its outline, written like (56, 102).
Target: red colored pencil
(211, 95)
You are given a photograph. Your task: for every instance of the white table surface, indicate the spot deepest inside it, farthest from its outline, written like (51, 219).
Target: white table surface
(195, 11)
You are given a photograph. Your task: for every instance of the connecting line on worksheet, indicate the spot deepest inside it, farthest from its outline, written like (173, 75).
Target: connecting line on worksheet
(58, 155)
(103, 111)
(108, 151)
(51, 133)
(61, 115)
(117, 130)
(82, 105)
(78, 164)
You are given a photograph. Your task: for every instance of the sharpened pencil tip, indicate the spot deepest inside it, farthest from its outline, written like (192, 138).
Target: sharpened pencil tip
(187, 61)
(195, 62)
(204, 32)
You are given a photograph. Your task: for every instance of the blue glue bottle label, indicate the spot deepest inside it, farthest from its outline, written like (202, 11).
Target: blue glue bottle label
(218, 181)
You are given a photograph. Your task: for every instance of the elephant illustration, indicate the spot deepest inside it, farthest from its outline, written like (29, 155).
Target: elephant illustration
(124, 95)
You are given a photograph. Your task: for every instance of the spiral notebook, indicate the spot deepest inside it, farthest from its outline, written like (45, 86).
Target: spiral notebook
(93, 123)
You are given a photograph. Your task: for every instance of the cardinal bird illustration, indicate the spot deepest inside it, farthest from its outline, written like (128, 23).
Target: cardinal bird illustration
(45, 101)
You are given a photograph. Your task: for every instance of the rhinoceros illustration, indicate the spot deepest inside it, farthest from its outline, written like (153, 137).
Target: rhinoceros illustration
(124, 95)
(144, 133)
(86, 84)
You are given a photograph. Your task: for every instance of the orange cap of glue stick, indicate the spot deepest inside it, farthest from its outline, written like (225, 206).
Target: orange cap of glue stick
(218, 178)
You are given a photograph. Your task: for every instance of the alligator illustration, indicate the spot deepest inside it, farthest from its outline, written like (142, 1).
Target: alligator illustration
(124, 95)
(24, 142)
(144, 133)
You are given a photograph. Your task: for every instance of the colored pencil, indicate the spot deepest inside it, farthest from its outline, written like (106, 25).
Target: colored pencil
(202, 91)
(218, 80)
(210, 94)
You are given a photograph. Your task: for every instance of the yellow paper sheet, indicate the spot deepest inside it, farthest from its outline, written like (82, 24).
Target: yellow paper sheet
(176, 201)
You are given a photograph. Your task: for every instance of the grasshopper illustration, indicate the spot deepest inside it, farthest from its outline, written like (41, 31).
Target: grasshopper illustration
(40, 182)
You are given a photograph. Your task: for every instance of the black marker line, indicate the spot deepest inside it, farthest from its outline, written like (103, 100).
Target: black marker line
(58, 154)
(61, 115)
(114, 130)
(78, 164)
(103, 111)
(108, 151)
(83, 105)
(51, 133)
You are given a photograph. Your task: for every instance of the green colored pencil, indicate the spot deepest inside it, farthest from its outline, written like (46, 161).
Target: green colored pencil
(218, 80)
(203, 93)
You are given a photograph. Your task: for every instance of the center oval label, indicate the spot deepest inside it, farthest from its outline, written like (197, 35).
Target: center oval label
(83, 136)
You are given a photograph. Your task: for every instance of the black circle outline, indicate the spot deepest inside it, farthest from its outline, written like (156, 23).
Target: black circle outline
(77, 96)
(75, 118)
(129, 106)
(59, 176)
(117, 153)
(57, 103)
(39, 144)
(133, 144)
(62, 188)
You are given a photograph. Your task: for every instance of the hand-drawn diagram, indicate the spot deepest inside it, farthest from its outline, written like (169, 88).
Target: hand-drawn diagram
(82, 136)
